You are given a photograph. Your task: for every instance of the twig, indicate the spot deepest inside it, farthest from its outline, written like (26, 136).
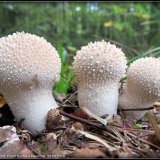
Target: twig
(60, 128)
(88, 135)
(141, 139)
(139, 151)
(70, 96)
(144, 141)
(100, 126)
(154, 124)
(138, 137)
(135, 109)
(103, 121)
(71, 84)
(96, 125)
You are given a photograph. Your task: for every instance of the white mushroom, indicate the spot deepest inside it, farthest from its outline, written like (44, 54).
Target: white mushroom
(98, 68)
(142, 88)
(29, 66)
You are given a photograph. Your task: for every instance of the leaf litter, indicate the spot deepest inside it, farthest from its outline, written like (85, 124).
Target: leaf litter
(73, 132)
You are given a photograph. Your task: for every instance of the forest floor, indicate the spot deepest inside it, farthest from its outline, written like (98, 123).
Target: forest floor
(75, 133)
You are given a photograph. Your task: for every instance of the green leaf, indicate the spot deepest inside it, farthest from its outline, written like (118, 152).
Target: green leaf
(154, 51)
(138, 126)
(119, 26)
(71, 48)
(62, 53)
(43, 148)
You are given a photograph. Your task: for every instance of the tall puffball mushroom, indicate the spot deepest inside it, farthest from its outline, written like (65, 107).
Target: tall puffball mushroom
(142, 88)
(29, 65)
(98, 68)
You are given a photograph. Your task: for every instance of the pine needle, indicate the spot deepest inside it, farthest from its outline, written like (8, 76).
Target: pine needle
(88, 135)
(103, 121)
(153, 123)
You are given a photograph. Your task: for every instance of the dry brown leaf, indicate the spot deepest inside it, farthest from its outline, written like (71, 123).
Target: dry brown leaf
(127, 152)
(54, 119)
(157, 105)
(116, 121)
(26, 152)
(153, 139)
(46, 146)
(15, 149)
(80, 143)
(69, 135)
(2, 102)
(12, 146)
(77, 126)
(88, 153)
(7, 133)
(153, 123)
(95, 145)
(80, 113)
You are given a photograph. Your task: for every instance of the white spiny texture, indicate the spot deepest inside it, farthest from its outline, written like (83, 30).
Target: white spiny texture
(142, 88)
(98, 68)
(29, 65)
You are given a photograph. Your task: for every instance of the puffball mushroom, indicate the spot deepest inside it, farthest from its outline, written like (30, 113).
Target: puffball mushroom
(98, 68)
(29, 65)
(142, 87)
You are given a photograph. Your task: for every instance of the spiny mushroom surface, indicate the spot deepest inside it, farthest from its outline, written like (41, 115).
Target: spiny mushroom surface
(142, 88)
(98, 68)
(29, 65)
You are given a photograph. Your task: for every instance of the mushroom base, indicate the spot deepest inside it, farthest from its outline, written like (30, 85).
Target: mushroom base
(128, 101)
(100, 100)
(33, 106)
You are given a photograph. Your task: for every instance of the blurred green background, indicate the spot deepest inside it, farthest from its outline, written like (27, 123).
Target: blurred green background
(133, 26)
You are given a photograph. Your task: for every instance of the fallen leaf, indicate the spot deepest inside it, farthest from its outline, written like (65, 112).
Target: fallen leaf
(157, 105)
(7, 133)
(127, 152)
(153, 123)
(116, 121)
(81, 114)
(94, 145)
(80, 144)
(45, 146)
(12, 146)
(154, 139)
(54, 119)
(2, 101)
(77, 126)
(88, 153)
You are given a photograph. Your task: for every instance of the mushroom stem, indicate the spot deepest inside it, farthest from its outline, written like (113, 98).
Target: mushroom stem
(132, 98)
(104, 95)
(21, 106)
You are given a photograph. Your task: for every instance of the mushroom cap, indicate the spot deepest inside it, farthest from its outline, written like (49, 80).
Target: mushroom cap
(144, 73)
(99, 62)
(26, 59)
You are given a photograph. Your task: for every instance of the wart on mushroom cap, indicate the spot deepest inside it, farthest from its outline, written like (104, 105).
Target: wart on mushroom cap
(29, 65)
(98, 68)
(142, 88)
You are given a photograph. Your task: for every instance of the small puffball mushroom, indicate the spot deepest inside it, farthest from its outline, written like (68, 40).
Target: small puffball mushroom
(29, 65)
(98, 68)
(142, 87)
